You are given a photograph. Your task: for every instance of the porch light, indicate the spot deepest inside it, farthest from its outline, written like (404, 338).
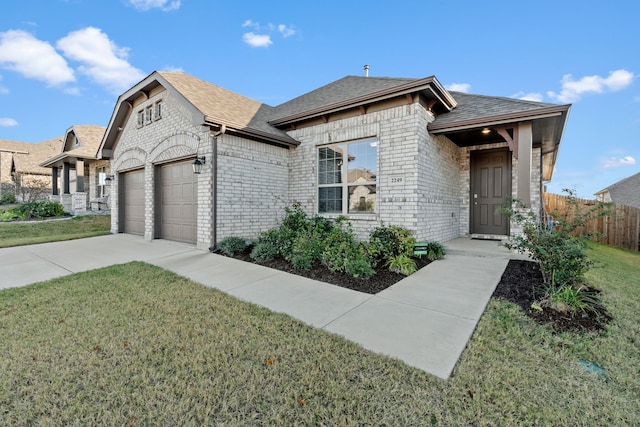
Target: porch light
(108, 179)
(197, 164)
(486, 131)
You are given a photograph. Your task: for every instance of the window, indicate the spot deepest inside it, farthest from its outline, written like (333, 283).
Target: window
(148, 114)
(101, 181)
(158, 110)
(348, 186)
(140, 122)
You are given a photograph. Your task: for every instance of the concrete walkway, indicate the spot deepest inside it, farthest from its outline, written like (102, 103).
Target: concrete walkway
(424, 320)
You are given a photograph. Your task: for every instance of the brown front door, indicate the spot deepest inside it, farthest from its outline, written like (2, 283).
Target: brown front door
(490, 189)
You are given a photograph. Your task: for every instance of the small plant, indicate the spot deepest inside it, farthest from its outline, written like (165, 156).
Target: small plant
(360, 268)
(435, 251)
(402, 264)
(264, 250)
(387, 242)
(301, 262)
(233, 245)
(572, 299)
(7, 199)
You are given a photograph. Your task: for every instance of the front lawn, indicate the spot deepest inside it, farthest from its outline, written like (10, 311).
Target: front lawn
(137, 345)
(32, 232)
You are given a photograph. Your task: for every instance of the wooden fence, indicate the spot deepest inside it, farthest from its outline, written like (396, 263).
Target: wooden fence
(620, 227)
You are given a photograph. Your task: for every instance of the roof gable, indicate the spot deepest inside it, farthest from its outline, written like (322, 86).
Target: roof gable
(626, 191)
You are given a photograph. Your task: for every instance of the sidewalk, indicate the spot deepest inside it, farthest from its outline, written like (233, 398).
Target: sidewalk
(424, 320)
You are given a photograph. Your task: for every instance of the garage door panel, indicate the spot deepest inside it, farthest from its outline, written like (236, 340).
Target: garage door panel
(133, 209)
(178, 204)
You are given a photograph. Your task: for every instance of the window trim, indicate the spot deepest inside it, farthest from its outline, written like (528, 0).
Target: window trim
(157, 110)
(345, 185)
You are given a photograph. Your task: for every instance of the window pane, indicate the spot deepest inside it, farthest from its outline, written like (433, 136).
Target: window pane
(330, 200)
(329, 165)
(363, 161)
(362, 198)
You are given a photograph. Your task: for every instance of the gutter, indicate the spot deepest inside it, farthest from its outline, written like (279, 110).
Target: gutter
(214, 178)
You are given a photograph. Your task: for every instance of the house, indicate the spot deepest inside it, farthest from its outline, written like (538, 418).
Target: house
(624, 192)
(394, 150)
(79, 178)
(20, 170)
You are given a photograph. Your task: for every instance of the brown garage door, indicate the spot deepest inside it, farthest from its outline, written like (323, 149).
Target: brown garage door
(133, 202)
(177, 202)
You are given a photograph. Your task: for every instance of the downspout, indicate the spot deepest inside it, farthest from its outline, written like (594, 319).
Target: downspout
(214, 178)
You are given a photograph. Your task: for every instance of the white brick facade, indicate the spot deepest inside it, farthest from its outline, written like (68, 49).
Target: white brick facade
(422, 181)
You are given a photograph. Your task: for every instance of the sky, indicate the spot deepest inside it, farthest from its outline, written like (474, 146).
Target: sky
(65, 62)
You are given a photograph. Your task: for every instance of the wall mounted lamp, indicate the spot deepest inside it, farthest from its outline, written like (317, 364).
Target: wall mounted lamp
(108, 179)
(197, 164)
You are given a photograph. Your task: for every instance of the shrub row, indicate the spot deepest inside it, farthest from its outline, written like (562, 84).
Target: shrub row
(304, 241)
(34, 210)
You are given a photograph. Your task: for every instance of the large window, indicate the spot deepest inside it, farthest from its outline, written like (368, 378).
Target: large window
(347, 177)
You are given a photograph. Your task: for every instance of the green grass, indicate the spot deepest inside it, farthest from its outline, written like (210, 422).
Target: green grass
(136, 345)
(32, 232)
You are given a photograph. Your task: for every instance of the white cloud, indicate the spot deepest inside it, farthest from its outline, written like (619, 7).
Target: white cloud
(164, 5)
(20, 51)
(7, 122)
(531, 96)
(286, 31)
(459, 87)
(257, 40)
(101, 59)
(616, 162)
(572, 89)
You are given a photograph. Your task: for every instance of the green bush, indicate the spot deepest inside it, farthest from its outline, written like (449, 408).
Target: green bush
(307, 244)
(360, 268)
(340, 247)
(233, 245)
(402, 264)
(11, 215)
(264, 250)
(301, 262)
(435, 251)
(387, 242)
(572, 299)
(36, 210)
(7, 199)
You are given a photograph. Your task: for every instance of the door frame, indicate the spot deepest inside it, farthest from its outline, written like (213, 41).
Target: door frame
(509, 165)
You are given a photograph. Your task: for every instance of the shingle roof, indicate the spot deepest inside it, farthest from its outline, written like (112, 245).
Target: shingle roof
(38, 153)
(626, 191)
(89, 137)
(5, 157)
(472, 107)
(346, 88)
(220, 105)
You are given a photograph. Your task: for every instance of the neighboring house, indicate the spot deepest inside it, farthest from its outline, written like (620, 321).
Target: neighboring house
(439, 163)
(624, 192)
(20, 170)
(79, 179)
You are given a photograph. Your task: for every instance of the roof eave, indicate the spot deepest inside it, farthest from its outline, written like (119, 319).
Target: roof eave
(251, 132)
(429, 83)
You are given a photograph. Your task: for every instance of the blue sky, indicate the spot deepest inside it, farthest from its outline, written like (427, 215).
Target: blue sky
(64, 62)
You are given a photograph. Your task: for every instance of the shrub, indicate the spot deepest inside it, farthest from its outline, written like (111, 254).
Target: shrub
(264, 250)
(11, 215)
(308, 244)
(7, 199)
(360, 268)
(38, 210)
(572, 299)
(435, 251)
(340, 247)
(301, 262)
(387, 242)
(233, 245)
(402, 264)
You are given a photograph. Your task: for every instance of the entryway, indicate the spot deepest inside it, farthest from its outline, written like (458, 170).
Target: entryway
(490, 190)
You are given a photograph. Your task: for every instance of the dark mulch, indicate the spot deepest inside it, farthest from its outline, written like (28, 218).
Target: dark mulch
(381, 281)
(522, 284)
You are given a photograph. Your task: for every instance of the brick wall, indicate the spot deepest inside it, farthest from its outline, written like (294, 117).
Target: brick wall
(253, 186)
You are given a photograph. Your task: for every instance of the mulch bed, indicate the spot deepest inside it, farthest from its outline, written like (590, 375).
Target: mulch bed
(522, 284)
(381, 281)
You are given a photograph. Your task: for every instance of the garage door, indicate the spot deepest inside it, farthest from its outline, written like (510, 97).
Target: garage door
(133, 202)
(178, 202)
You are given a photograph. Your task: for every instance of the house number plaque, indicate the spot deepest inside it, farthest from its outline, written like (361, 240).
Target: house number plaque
(396, 179)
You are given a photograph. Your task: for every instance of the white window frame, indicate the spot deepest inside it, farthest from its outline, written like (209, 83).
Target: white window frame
(345, 185)
(157, 110)
(140, 118)
(148, 114)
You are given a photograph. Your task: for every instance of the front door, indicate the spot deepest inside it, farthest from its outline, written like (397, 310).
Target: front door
(490, 189)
